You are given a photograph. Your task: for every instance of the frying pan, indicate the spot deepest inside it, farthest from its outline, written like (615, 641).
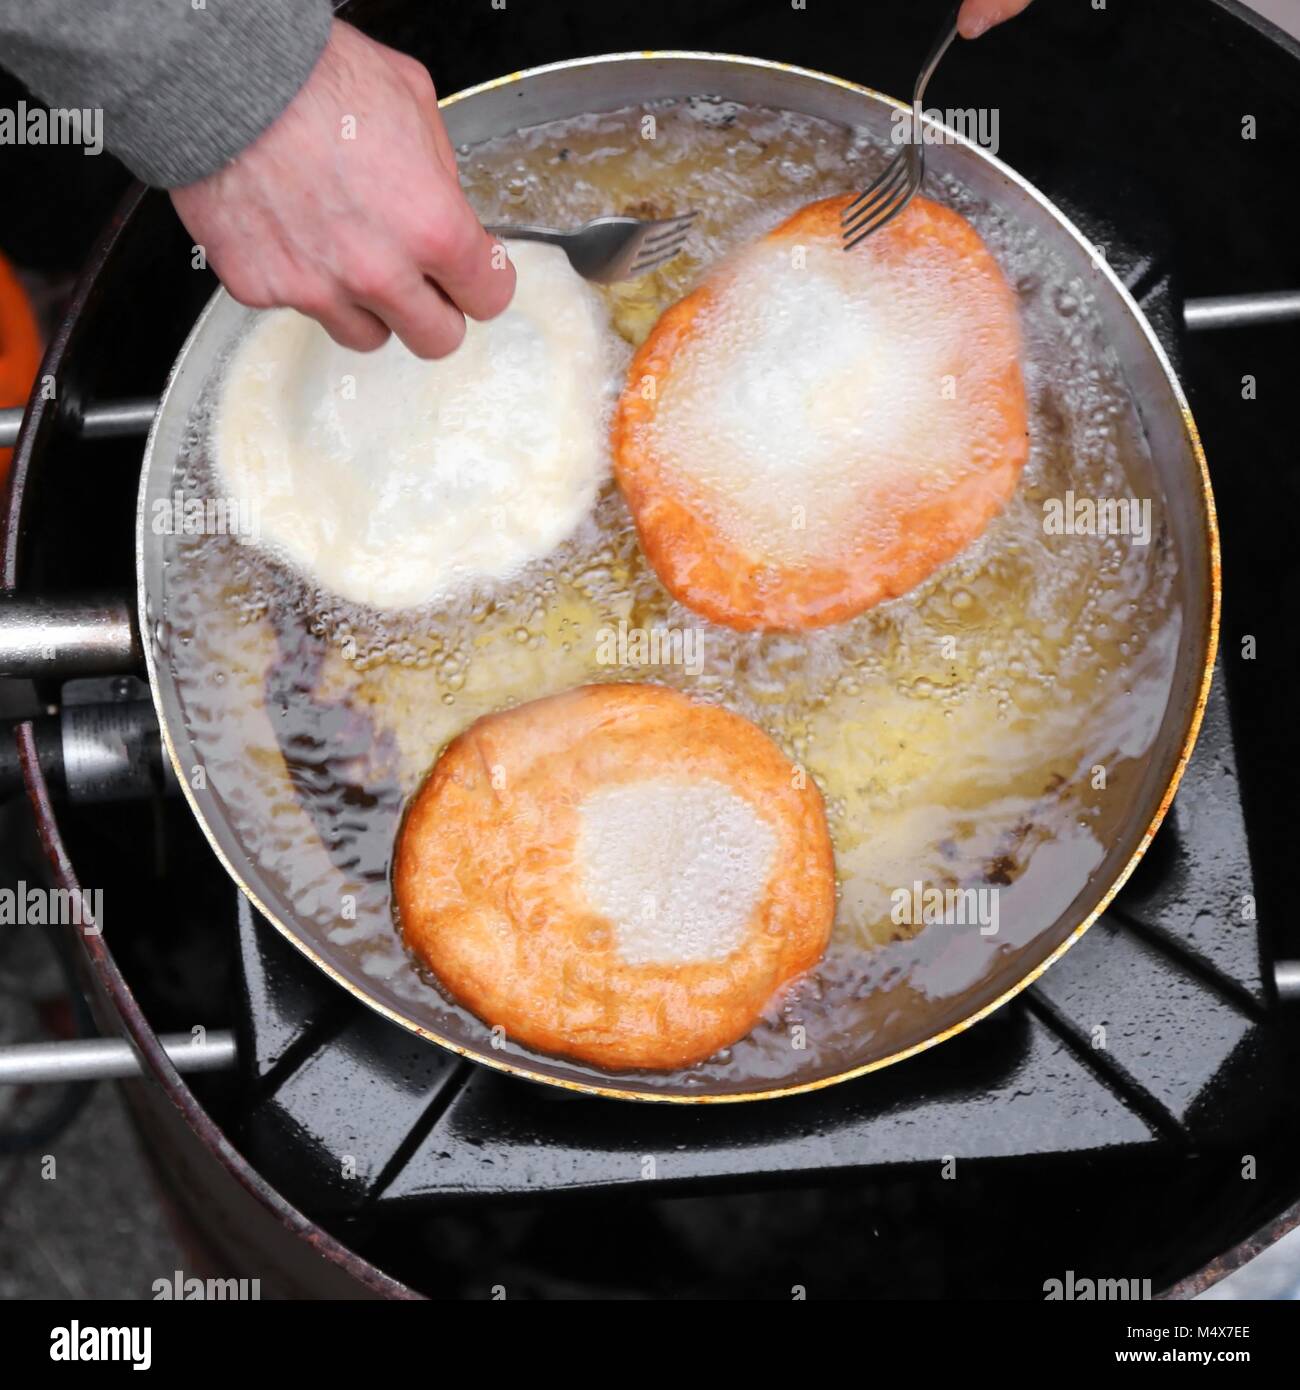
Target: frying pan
(609, 83)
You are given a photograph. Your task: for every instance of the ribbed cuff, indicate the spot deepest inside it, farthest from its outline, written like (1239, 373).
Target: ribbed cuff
(217, 86)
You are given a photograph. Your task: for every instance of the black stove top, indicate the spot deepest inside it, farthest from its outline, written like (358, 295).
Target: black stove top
(1133, 1113)
(1119, 1092)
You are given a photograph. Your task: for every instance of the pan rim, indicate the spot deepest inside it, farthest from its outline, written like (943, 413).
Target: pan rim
(1185, 744)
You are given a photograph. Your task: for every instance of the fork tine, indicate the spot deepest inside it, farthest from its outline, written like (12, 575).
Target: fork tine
(663, 238)
(887, 214)
(870, 212)
(649, 248)
(881, 191)
(872, 208)
(645, 262)
(901, 192)
(662, 231)
(886, 206)
(646, 268)
(608, 249)
(887, 177)
(663, 251)
(875, 193)
(653, 251)
(871, 217)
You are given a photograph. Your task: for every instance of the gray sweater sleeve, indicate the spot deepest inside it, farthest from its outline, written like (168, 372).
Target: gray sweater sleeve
(184, 85)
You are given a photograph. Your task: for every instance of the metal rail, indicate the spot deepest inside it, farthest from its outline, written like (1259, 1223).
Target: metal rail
(102, 1059)
(117, 419)
(1286, 974)
(67, 636)
(111, 420)
(1241, 310)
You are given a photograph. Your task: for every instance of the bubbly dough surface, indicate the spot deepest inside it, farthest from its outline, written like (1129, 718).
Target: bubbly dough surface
(810, 432)
(395, 482)
(676, 867)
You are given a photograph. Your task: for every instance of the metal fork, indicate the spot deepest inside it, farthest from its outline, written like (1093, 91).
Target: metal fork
(896, 185)
(612, 248)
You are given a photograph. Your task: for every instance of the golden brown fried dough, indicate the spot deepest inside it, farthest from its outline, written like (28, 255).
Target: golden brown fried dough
(618, 874)
(813, 431)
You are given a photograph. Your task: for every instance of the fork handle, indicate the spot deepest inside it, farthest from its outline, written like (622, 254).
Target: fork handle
(524, 231)
(941, 45)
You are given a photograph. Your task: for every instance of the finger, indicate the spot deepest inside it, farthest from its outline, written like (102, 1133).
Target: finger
(471, 267)
(978, 16)
(351, 325)
(422, 317)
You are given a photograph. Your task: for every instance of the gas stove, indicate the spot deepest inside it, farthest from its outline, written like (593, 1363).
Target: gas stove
(1099, 1122)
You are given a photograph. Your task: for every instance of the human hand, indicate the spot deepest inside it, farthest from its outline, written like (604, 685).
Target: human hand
(978, 16)
(349, 209)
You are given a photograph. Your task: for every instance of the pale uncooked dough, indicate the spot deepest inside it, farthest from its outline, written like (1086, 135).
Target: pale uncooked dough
(395, 482)
(677, 867)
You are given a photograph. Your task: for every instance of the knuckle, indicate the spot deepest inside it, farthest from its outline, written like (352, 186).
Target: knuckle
(253, 294)
(374, 279)
(418, 76)
(317, 301)
(450, 245)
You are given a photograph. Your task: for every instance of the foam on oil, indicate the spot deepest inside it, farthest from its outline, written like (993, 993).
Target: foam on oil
(955, 733)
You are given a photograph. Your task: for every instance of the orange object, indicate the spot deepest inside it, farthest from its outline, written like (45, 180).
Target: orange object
(618, 874)
(20, 349)
(813, 431)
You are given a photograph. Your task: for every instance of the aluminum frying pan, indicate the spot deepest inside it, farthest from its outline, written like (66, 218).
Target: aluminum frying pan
(1180, 479)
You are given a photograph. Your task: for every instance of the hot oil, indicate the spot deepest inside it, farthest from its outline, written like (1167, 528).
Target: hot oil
(987, 730)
